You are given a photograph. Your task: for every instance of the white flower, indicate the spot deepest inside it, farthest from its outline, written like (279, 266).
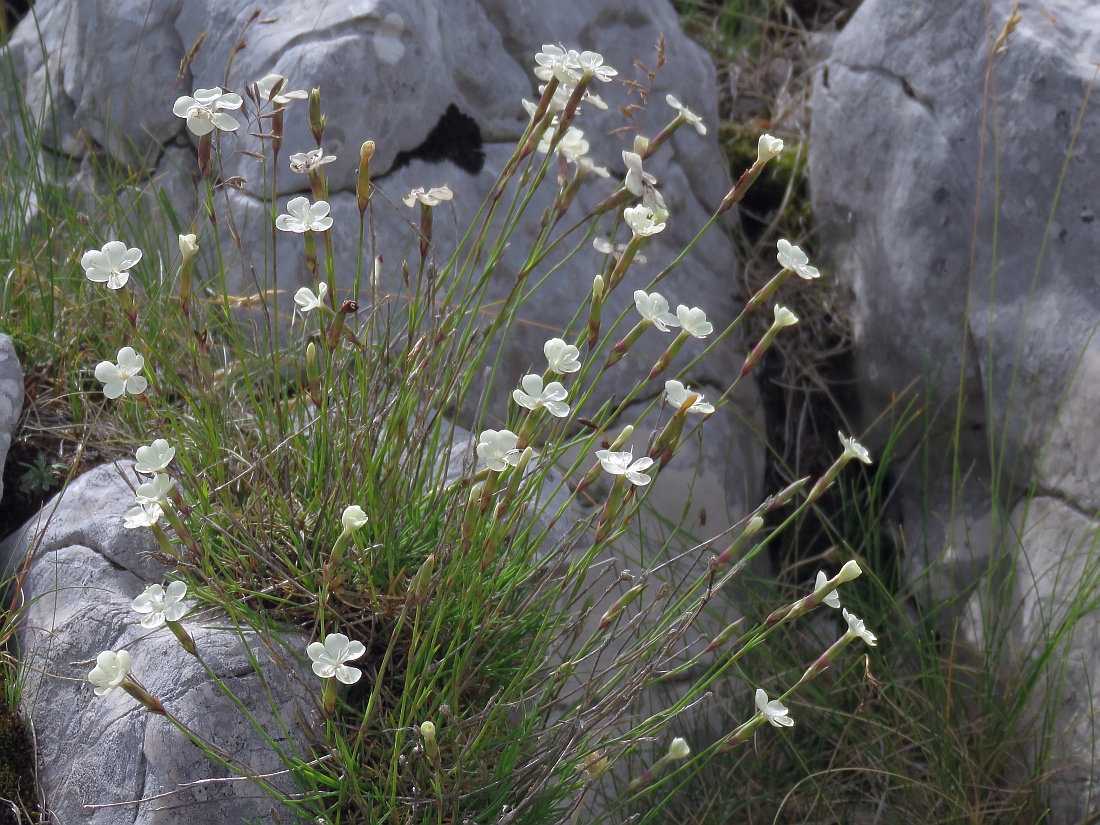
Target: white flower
(572, 145)
(111, 264)
(856, 629)
(588, 165)
(352, 519)
(144, 515)
(303, 217)
(784, 317)
(307, 301)
(188, 247)
(155, 491)
(329, 658)
(124, 376)
(853, 449)
(203, 111)
(637, 179)
(305, 162)
(793, 258)
(654, 308)
(643, 221)
(497, 448)
(607, 248)
(555, 61)
(774, 711)
(267, 84)
(561, 356)
(849, 571)
(689, 116)
(433, 197)
(833, 599)
(679, 749)
(694, 321)
(591, 63)
(154, 457)
(767, 148)
(534, 395)
(159, 605)
(110, 670)
(623, 464)
(677, 394)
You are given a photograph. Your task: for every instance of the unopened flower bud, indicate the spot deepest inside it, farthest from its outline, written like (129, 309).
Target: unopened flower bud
(850, 570)
(679, 749)
(366, 152)
(316, 119)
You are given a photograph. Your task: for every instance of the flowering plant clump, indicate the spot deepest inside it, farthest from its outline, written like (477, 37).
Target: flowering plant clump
(323, 473)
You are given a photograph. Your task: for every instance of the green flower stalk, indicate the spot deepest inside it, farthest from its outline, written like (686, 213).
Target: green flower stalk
(313, 374)
(597, 468)
(352, 520)
(362, 189)
(622, 602)
(594, 308)
(783, 318)
(316, 119)
(852, 450)
(767, 148)
(431, 746)
(679, 749)
(750, 530)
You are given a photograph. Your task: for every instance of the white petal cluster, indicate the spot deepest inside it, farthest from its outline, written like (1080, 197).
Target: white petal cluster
(110, 670)
(792, 258)
(775, 712)
(643, 221)
(153, 458)
(159, 604)
(432, 197)
(677, 395)
(767, 148)
(270, 87)
(534, 395)
(654, 308)
(331, 656)
(304, 217)
(833, 599)
(156, 491)
(689, 116)
(563, 358)
(203, 112)
(353, 519)
(305, 162)
(123, 377)
(111, 265)
(497, 448)
(307, 301)
(784, 317)
(853, 449)
(856, 629)
(623, 464)
(694, 321)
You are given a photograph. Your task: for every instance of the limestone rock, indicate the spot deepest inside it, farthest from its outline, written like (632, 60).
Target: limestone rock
(903, 182)
(11, 398)
(95, 751)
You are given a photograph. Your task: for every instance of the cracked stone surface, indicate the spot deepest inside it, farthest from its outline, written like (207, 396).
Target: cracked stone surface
(897, 170)
(11, 398)
(97, 751)
(908, 178)
(390, 72)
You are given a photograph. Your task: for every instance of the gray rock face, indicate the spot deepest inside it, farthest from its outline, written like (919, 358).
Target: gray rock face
(96, 751)
(389, 72)
(11, 398)
(972, 267)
